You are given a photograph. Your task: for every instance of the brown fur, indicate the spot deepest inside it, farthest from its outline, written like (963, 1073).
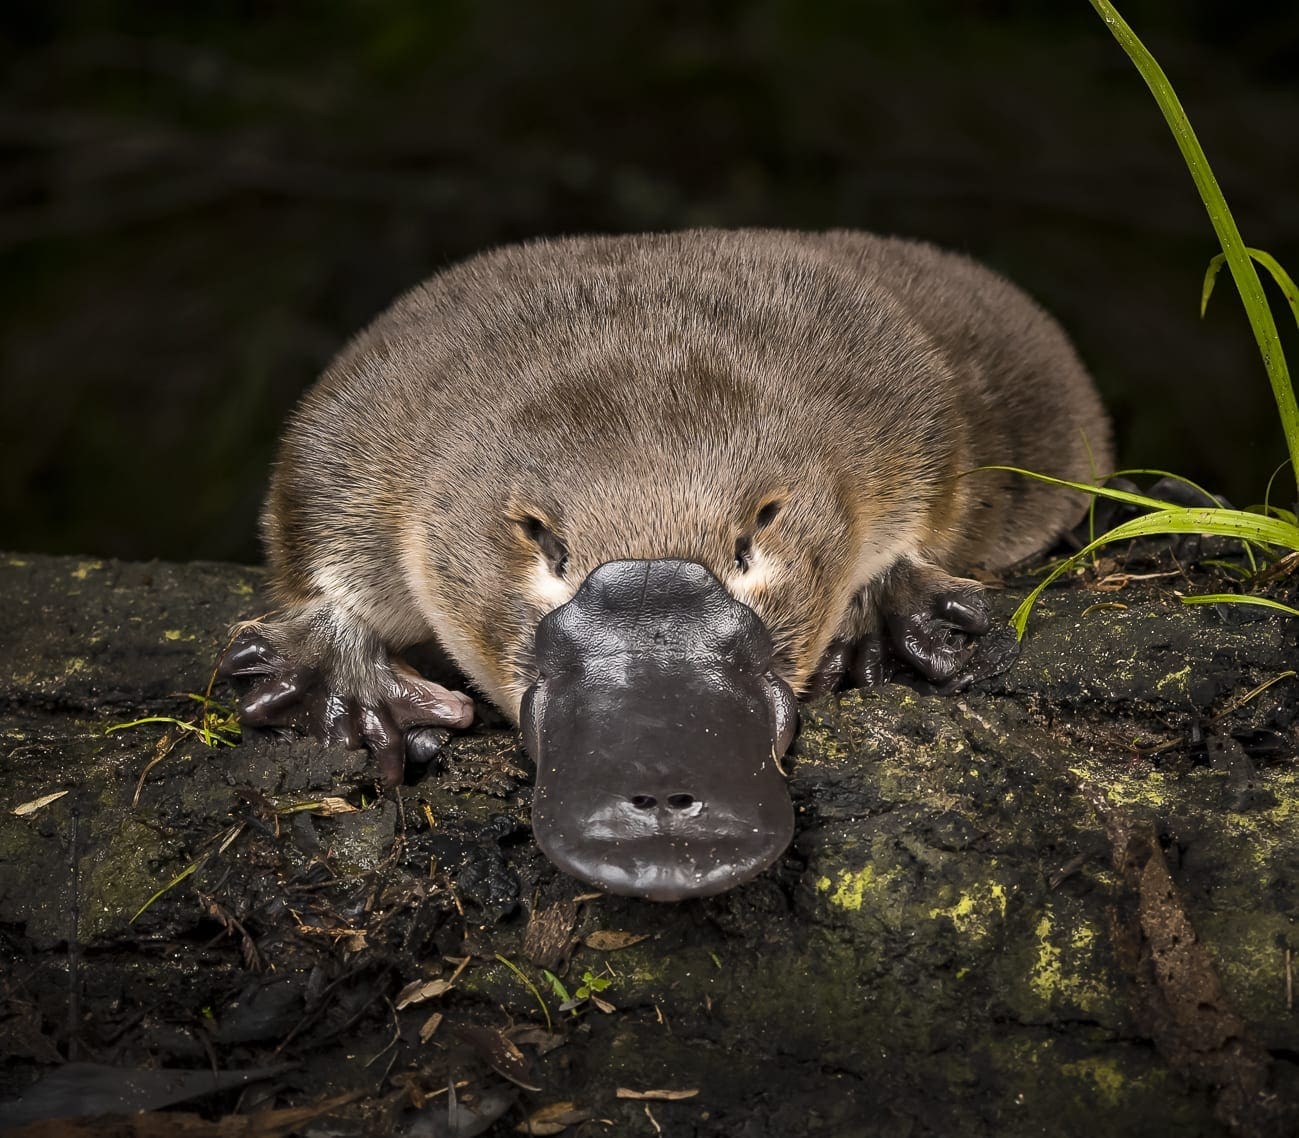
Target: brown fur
(647, 397)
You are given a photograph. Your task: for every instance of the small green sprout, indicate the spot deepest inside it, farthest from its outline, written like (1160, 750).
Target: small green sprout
(591, 983)
(216, 724)
(557, 986)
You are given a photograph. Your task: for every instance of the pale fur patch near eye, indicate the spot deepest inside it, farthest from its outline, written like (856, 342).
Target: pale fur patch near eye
(547, 590)
(753, 582)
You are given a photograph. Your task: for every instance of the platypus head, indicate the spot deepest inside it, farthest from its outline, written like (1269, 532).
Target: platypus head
(643, 582)
(656, 724)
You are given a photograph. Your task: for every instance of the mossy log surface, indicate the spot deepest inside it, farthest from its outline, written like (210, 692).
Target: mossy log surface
(1061, 902)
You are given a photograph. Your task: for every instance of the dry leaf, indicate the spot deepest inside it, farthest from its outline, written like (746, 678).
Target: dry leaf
(544, 1041)
(553, 1119)
(36, 803)
(417, 991)
(328, 807)
(505, 1059)
(610, 940)
(430, 1026)
(660, 1096)
(325, 807)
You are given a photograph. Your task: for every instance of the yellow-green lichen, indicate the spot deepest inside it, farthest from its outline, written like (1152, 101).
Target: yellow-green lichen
(852, 886)
(1257, 825)
(1248, 951)
(1149, 789)
(1104, 1073)
(868, 892)
(1173, 685)
(1047, 972)
(972, 912)
(1064, 965)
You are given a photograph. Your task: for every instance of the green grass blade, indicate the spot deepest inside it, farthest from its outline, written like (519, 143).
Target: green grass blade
(1164, 474)
(184, 873)
(1224, 523)
(1086, 488)
(1210, 279)
(1237, 599)
(1233, 245)
(530, 986)
(1268, 508)
(115, 727)
(1284, 281)
(1284, 532)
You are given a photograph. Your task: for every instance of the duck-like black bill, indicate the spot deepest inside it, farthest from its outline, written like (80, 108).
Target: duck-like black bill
(655, 727)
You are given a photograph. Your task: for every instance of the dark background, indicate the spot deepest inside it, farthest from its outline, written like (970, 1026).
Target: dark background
(202, 201)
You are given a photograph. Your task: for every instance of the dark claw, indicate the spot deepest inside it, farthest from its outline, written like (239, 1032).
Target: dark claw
(385, 743)
(965, 608)
(250, 654)
(424, 745)
(867, 670)
(337, 720)
(272, 702)
(304, 700)
(935, 649)
(830, 671)
(932, 618)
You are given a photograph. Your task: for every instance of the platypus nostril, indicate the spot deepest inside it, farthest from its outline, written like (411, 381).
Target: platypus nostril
(644, 801)
(681, 801)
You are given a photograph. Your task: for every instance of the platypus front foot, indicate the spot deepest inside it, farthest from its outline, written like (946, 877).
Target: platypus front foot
(383, 701)
(933, 619)
(916, 615)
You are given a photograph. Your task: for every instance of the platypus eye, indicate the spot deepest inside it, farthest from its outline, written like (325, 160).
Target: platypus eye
(743, 547)
(744, 543)
(552, 548)
(767, 514)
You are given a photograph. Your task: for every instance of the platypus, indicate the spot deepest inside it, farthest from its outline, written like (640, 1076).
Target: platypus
(647, 490)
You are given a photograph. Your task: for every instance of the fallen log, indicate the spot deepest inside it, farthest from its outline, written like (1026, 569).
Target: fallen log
(1062, 901)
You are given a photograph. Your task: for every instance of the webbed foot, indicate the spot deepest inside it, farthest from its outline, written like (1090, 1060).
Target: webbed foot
(925, 619)
(375, 714)
(933, 620)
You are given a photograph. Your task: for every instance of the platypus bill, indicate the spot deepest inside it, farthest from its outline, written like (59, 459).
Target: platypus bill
(645, 490)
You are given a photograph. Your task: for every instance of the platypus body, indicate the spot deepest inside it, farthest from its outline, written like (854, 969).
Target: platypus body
(646, 490)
